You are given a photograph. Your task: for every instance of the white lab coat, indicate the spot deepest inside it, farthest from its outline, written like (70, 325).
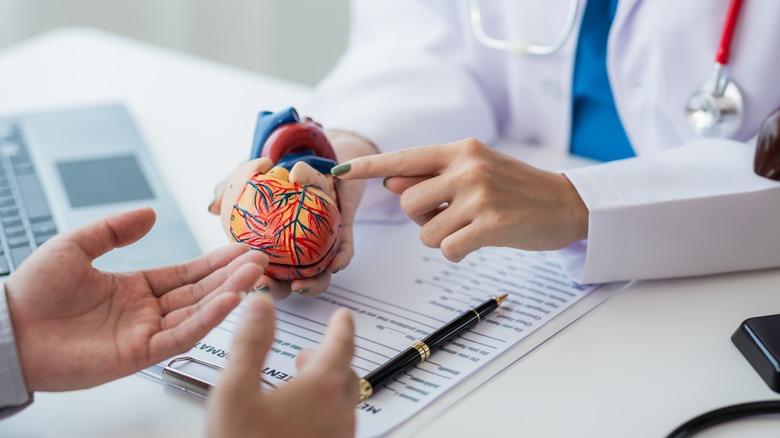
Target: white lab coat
(414, 74)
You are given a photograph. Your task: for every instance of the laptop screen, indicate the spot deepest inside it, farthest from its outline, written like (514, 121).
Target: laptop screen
(103, 181)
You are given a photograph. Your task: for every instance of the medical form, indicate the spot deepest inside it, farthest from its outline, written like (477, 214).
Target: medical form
(400, 291)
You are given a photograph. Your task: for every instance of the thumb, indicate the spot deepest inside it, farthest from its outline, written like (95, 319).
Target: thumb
(113, 231)
(253, 339)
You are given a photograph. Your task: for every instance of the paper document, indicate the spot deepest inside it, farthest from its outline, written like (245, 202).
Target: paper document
(399, 292)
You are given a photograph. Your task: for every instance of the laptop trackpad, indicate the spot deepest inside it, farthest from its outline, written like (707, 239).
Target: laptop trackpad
(104, 181)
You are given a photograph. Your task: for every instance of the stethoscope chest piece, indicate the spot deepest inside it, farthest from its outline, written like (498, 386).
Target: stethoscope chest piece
(716, 108)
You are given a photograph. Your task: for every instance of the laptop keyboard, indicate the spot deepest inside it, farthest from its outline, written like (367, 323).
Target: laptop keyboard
(25, 216)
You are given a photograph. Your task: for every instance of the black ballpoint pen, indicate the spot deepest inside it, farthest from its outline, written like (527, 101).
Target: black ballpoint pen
(421, 350)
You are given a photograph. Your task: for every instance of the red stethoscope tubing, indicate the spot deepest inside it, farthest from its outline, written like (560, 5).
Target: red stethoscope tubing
(724, 49)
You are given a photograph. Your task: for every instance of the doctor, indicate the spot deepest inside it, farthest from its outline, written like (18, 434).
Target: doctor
(629, 83)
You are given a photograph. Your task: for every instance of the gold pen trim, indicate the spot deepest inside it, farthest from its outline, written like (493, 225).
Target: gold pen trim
(423, 349)
(366, 390)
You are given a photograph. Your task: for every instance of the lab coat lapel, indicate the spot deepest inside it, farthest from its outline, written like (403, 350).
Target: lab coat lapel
(624, 9)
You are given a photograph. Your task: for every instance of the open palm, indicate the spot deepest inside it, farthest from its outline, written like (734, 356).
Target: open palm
(77, 326)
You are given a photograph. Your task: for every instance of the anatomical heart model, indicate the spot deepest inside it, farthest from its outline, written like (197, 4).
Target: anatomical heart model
(297, 226)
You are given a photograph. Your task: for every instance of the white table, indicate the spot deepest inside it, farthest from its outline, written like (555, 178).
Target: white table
(636, 366)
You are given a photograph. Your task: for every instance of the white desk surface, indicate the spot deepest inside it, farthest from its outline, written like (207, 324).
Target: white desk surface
(636, 366)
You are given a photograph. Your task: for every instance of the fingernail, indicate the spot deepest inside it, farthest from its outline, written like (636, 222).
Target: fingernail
(242, 295)
(384, 182)
(263, 288)
(211, 204)
(301, 291)
(340, 169)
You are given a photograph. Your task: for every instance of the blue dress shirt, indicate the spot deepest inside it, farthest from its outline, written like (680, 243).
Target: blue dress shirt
(596, 130)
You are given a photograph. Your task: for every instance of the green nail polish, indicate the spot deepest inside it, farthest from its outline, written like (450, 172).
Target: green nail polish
(340, 169)
(301, 291)
(263, 288)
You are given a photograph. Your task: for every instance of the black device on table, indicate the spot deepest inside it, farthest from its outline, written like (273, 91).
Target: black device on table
(758, 339)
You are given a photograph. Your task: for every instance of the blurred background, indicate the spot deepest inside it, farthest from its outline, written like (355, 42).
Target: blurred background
(296, 40)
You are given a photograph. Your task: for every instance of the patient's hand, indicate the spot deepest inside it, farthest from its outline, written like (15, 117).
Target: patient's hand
(319, 402)
(77, 326)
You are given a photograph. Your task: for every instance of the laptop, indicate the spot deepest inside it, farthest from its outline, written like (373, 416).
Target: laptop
(62, 169)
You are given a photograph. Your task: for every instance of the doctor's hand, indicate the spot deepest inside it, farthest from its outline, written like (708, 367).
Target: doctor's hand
(319, 402)
(347, 146)
(77, 327)
(466, 195)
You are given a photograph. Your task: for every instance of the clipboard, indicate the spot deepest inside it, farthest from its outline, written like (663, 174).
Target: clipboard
(191, 375)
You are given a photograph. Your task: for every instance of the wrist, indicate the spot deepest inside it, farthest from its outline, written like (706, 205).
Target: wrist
(576, 211)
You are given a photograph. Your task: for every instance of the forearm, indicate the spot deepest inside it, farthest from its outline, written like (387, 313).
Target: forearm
(673, 214)
(13, 391)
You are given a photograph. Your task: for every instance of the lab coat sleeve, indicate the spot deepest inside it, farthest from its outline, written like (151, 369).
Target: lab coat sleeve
(13, 391)
(406, 78)
(693, 210)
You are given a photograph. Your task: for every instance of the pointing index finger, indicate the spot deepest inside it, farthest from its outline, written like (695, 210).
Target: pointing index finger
(423, 160)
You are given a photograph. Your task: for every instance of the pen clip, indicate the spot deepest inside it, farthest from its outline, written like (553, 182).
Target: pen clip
(190, 382)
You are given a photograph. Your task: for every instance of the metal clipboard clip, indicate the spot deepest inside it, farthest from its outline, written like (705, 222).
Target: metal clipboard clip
(189, 382)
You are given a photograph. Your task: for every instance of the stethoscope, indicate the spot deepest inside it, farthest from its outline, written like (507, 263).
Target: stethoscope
(521, 47)
(715, 109)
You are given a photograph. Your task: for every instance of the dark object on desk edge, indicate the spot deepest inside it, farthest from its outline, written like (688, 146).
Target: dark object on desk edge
(421, 350)
(758, 339)
(767, 160)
